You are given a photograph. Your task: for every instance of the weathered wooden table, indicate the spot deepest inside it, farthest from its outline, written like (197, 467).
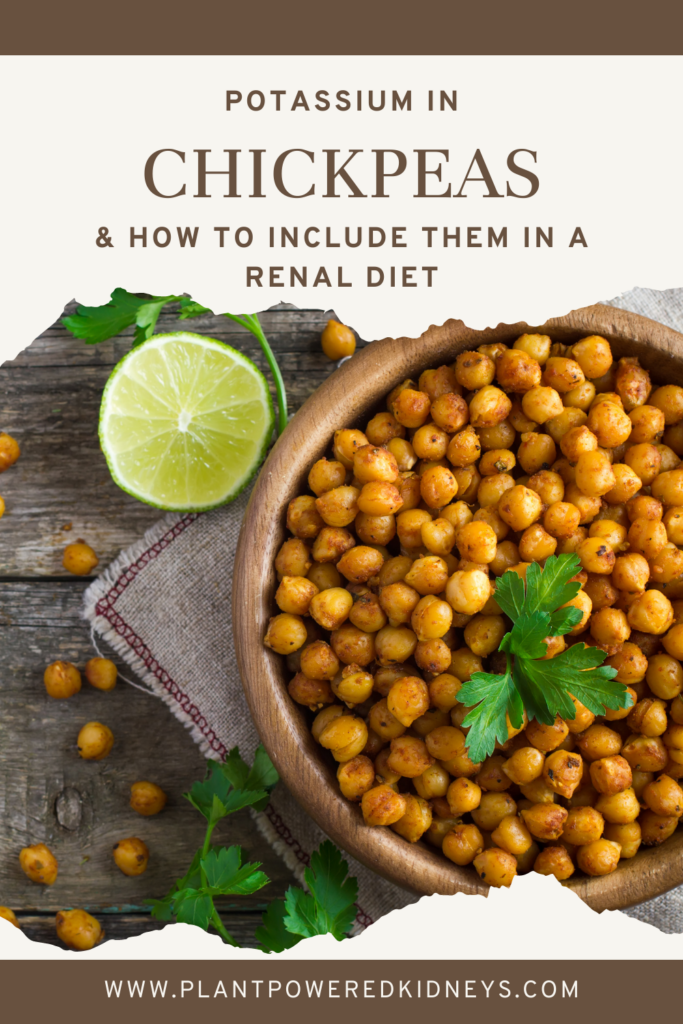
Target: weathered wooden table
(58, 491)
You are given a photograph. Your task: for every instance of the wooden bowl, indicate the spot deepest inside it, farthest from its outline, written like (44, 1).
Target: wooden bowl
(348, 398)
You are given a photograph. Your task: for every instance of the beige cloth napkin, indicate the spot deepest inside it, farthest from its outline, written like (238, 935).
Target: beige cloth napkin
(164, 606)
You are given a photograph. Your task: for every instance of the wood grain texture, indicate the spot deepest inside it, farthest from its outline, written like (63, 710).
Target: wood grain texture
(347, 399)
(50, 402)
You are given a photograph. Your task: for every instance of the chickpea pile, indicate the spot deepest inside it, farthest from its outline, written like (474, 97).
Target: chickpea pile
(387, 603)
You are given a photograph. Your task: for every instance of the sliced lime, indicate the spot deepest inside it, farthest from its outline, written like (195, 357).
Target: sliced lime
(185, 422)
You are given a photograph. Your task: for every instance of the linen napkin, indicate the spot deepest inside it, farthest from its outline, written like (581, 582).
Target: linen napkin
(164, 606)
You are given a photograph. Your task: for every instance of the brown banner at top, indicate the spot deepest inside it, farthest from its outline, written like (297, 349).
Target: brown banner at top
(307, 27)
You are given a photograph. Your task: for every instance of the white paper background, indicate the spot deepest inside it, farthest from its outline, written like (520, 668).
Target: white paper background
(77, 133)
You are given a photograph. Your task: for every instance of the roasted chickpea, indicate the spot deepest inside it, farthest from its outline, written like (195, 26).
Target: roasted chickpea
(644, 506)
(394, 644)
(325, 476)
(432, 783)
(433, 656)
(473, 370)
(628, 836)
(594, 356)
(415, 821)
(303, 518)
(477, 542)
(596, 556)
(294, 595)
(78, 930)
(594, 474)
(536, 452)
(371, 463)
(492, 488)
(562, 374)
(554, 860)
(409, 756)
(383, 429)
(580, 397)
(287, 633)
(399, 601)
(450, 413)
(353, 646)
(79, 559)
(578, 441)
(39, 864)
(668, 487)
(95, 741)
(502, 435)
(468, 591)
(409, 527)
(656, 829)
(562, 772)
(427, 575)
(512, 835)
(670, 459)
(346, 443)
(101, 673)
(411, 408)
(517, 371)
(547, 737)
(381, 805)
(651, 612)
(561, 519)
(536, 544)
(9, 452)
(545, 821)
(489, 407)
(631, 665)
(463, 796)
(345, 737)
(147, 798)
(324, 575)
(462, 844)
(493, 807)
(62, 680)
(525, 765)
(535, 345)
(645, 753)
(648, 427)
(337, 341)
(610, 424)
(583, 602)
(356, 777)
(329, 608)
(520, 507)
(339, 507)
(611, 775)
(610, 629)
(293, 558)
(318, 661)
(408, 698)
(664, 797)
(669, 399)
(438, 486)
(632, 383)
(443, 691)
(483, 634)
(432, 618)
(664, 676)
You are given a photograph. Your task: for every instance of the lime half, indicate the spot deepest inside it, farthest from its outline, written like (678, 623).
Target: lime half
(185, 422)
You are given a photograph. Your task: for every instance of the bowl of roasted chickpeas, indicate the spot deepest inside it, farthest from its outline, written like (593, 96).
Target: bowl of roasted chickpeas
(364, 597)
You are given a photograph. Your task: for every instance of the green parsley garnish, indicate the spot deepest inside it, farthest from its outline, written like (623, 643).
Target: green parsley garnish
(541, 687)
(328, 905)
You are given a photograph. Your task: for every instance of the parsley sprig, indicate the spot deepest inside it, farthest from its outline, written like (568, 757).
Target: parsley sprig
(327, 904)
(229, 786)
(94, 324)
(541, 687)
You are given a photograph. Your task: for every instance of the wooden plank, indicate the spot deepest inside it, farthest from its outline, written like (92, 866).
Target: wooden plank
(80, 808)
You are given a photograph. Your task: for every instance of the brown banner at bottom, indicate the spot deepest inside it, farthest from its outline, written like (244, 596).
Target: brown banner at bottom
(360, 991)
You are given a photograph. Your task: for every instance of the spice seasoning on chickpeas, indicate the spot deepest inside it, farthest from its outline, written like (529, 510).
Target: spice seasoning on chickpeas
(392, 601)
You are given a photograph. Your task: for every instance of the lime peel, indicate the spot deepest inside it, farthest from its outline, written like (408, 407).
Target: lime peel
(185, 422)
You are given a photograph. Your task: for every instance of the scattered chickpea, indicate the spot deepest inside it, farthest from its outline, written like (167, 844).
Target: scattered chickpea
(39, 864)
(131, 856)
(337, 341)
(62, 680)
(101, 673)
(79, 559)
(95, 741)
(78, 930)
(147, 798)
(8, 915)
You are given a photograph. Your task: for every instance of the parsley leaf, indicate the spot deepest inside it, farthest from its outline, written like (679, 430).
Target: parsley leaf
(492, 695)
(542, 686)
(329, 906)
(272, 936)
(98, 323)
(510, 594)
(226, 876)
